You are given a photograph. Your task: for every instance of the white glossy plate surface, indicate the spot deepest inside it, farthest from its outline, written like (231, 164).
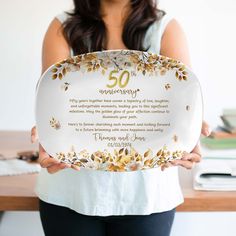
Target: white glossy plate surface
(118, 110)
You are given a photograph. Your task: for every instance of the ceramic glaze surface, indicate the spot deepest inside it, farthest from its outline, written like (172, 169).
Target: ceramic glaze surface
(118, 110)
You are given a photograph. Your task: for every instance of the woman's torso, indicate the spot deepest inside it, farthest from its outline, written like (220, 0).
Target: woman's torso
(106, 193)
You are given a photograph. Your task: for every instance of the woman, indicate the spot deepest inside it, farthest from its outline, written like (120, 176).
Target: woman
(86, 202)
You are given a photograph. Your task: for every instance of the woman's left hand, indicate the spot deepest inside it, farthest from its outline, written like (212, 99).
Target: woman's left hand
(189, 159)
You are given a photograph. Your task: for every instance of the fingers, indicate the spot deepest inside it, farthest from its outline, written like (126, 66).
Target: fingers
(193, 156)
(189, 159)
(178, 162)
(34, 134)
(186, 164)
(75, 167)
(56, 167)
(46, 161)
(53, 165)
(166, 165)
(206, 131)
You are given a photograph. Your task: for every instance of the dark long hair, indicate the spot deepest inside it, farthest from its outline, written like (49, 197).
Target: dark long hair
(85, 29)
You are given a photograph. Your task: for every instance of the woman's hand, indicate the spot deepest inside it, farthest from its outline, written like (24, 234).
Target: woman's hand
(53, 165)
(189, 159)
(46, 161)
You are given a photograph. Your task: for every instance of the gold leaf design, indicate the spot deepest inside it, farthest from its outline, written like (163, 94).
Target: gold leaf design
(122, 159)
(143, 62)
(65, 86)
(58, 65)
(60, 76)
(54, 76)
(54, 123)
(167, 86)
(175, 138)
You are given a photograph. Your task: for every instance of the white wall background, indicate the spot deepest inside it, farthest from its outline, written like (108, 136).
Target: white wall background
(209, 26)
(23, 25)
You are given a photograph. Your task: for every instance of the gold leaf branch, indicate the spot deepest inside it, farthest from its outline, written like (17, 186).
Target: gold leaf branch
(144, 62)
(121, 160)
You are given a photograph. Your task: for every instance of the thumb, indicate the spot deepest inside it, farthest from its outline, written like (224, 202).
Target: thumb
(34, 134)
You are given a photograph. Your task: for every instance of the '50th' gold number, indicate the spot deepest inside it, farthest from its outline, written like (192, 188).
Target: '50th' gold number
(122, 80)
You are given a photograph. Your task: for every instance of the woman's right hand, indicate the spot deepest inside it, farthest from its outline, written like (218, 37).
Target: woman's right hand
(45, 160)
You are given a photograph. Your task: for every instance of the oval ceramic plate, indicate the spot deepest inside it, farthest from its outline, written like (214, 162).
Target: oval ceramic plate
(118, 110)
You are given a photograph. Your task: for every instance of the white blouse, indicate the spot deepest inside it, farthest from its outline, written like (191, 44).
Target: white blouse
(104, 193)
